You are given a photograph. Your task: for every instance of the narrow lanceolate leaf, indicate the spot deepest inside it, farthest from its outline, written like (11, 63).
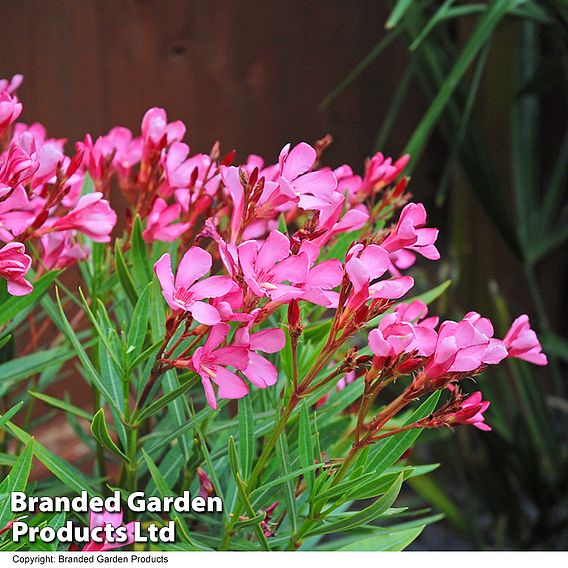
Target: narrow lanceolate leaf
(392, 448)
(62, 405)
(156, 406)
(9, 413)
(90, 371)
(386, 541)
(124, 276)
(306, 446)
(100, 432)
(68, 474)
(289, 489)
(398, 12)
(16, 480)
(246, 435)
(141, 269)
(15, 305)
(139, 323)
(165, 491)
(370, 513)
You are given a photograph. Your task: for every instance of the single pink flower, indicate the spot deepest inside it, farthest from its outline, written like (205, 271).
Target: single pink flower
(260, 371)
(16, 214)
(20, 165)
(465, 346)
(211, 361)
(59, 250)
(267, 265)
(367, 264)
(10, 85)
(10, 109)
(113, 519)
(91, 216)
(471, 412)
(160, 224)
(522, 343)
(155, 128)
(185, 294)
(14, 265)
(314, 188)
(410, 233)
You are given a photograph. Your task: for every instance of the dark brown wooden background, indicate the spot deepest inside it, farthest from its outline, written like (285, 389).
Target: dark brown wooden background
(247, 73)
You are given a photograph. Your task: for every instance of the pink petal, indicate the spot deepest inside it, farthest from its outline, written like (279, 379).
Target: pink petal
(261, 372)
(205, 313)
(268, 340)
(236, 357)
(298, 161)
(230, 385)
(275, 248)
(163, 270)
(212, 287)
(195, 263)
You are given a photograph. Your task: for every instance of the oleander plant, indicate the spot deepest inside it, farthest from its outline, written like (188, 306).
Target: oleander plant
(250, 332)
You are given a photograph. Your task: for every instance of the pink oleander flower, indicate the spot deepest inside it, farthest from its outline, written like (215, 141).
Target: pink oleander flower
(59, 250)
(10, 85)
(366, 264)
(184, 293)
(321, 278)
(471, 412)
(119, 143)
(410, 236)
(45, 153)
(19, 166)
(92, 216)
(314, 188)
(211, 361)
(14, 265)
(160, 224)
(10, 109)
(155, 128)
(396, 335)
(16, 214)
(464, 347)
(267, 265)
(113, 519)
(522, 343)
(260, 371)
(273, 196)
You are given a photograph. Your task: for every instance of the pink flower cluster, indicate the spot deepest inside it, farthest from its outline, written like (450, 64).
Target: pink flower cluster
(40, 198)
(250, 239)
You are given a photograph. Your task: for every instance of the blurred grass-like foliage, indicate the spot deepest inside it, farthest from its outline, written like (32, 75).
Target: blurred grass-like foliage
(495, 78)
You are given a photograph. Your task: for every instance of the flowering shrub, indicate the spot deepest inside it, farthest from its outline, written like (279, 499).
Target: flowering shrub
(245, 330)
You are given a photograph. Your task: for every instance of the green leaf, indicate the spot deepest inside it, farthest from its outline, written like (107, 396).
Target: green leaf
(139, 322)
(246, 435)
(289, 489)
(156, 406)
(165, 491)
(123, 274)
(140, 263)
(306, 445)
(387, 541)
(100, 432)
(9, 413)
(392, 448)
(15, 305)
(16, 480)
(90, 371)
(370, 513)
(483, 31)
(398, 12)
(69, 475)
(62, 405)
